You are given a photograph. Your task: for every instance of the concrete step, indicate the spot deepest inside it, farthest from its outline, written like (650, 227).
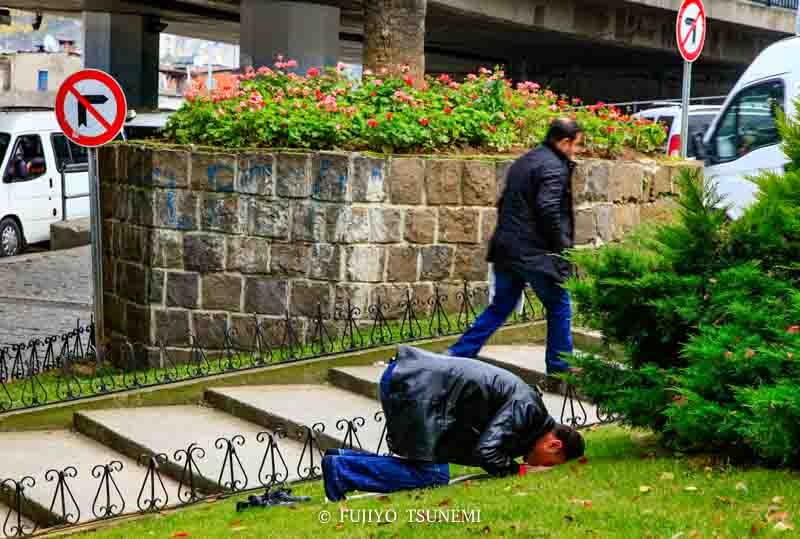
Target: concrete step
(168, 429)
(35, 453)
(364, 381)
(298, 406)
(527, 362)
(9, 517)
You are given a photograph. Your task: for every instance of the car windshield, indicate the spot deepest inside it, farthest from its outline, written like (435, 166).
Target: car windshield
(5, 139)
(698, 123)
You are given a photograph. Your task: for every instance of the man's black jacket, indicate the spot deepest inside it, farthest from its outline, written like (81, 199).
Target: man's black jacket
(534, 217)
(448, 409)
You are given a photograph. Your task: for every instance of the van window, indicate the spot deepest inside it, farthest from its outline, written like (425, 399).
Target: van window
(5, 140)
(749, 122)
(698, 123)
(27, 160)
(67, 152)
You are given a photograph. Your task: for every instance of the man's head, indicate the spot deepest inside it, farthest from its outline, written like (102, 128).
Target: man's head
(558, 446)
(566, 136)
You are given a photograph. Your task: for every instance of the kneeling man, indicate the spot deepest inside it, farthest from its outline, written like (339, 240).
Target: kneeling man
(442, 409)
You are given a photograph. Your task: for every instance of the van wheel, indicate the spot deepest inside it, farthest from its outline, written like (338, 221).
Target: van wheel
(10, 237)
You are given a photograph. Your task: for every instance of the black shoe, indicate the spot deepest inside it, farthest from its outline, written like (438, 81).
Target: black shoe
(332, 453)
(284, 497)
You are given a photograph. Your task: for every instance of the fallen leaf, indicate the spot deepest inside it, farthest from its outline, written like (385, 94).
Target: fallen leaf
(180, 534)
(725, 500)
(741, 487)
(728, 354)
(677, 535)
(793, 330)
(773, 508)
(237, 529)
(487, 530)
(339, 525)
(384, 499)
(468, 483)
(583, 460)
(778, 515)
(680, 400)
(783, 526)
(236, 523)
(520, 494)
(708, 469)
(695, 533)
(668, 476)
(750, 353)
(582, 503)
(444, 503)
(645, 488)
(690, 488)
(777, 499)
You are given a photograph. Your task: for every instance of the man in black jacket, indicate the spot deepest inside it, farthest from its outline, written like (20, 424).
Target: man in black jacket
(534, 228)
(440, 410)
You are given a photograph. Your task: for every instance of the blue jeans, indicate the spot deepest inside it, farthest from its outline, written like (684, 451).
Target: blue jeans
(509, 286)
(345, 470)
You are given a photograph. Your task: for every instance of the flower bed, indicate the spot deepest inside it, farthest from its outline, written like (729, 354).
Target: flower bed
(386, 113)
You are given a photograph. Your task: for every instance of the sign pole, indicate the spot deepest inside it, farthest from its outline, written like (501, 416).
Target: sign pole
(96, 231)
(687, 91)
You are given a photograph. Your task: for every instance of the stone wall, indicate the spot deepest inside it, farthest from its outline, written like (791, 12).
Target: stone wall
(195, 242)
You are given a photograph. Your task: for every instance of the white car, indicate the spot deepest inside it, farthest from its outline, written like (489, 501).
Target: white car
(700, 117)
(146, 124)
(45, 178)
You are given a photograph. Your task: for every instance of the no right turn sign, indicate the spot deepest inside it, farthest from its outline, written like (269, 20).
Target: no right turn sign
(691, 29)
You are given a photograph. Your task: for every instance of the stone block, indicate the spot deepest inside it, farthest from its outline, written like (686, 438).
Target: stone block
(591, 181)
(213, 172)
(137, 322)
(357, 294)
(172, 327)
(421, 225)
(437, 261)
(183, 289)
(585, 226)
(222, 292)
(175, 209)
(401, 264)
(406, 180)
(386, 225)
(392, 297)
(107, 164)
(171, 168)
(265, 295)
(443, 182)
(69, 234)
(122, 164)
(210, 328)
(470, 264)
(501, 175)
(109, 274)
(625, 218)
(309, 221)
(604, 220)
(245, 327)
(138, 159)
(625, 182)
(156, 293)
(459, 225)
(306, 295)
(275, 332)
(223, 213)
(661, 211)
(133, 282)
(423, 300)
(204, 252)
(479, 183)
(134, 244)
(660, 181)
(256, 174)
(107, 200)
(331, 174)
(365, 264)
(290, 259)
(326, 262)
(121, 202)
(268, 218)
(114, 313)
(166, 249)
(248, 255)
(348, 225)
(488, 224)
(369, 179)
(293, 175)
(142, 207)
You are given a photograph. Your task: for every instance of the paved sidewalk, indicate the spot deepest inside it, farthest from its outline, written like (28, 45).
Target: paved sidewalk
(44, 293)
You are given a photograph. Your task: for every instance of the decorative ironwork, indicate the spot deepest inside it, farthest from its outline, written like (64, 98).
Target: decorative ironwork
(14, 525)
(230, 464)
(410, 327)
(466, 311)
(261, 351)
(320, 338)
(351, 338)
(276, 461)
(350, 426)
(69, 511)
(18, 367)
(380, 333)
(169, 368)
(577, 416)
(604, 417)
(135, 375)
(439, 323)
(104, 505)
(310, 443)
(33, 392)
(231, 359)
(51, 360)
(187, 485)
(150, 495)
(198, 362)
(380, 416)
(290, 344)
(68, 386)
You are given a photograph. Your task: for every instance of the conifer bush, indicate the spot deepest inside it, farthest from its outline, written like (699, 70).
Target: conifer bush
(707, 311)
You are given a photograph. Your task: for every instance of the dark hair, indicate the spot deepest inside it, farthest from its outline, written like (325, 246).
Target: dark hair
(572, 440)
(563, 128)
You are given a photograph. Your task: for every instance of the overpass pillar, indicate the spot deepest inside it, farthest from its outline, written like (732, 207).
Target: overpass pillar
(125, 47)
(395, 35)
(307, 33)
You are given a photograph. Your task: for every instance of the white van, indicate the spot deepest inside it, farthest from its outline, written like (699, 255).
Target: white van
(743, 139)
(36, 159)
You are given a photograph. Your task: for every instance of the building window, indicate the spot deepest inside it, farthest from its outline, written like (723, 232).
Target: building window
(42, 83)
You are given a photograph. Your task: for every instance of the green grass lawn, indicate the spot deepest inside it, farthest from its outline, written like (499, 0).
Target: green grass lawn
(626, 489)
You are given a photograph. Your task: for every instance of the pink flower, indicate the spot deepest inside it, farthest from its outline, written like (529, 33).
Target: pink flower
(220, 112)
(554, 108)
(444, 78)
(492, 128)
(191, 95)
(484, 71)
(338, 127)
(473, 77)
(454, 85)
(264, 70)
(340, 67)
(372, 123)
(368, 72)
(291, 63)
(377, 82)
(576, 101)
(424, 122)
(313, 72)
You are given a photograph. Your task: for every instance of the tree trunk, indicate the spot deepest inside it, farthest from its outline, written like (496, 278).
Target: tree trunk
(395, 36)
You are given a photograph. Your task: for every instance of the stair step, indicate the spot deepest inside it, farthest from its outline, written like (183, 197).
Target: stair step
(298, 406)
(9, 516)
(167, 429)
(365, 381)
(527, 362)
(34, 453)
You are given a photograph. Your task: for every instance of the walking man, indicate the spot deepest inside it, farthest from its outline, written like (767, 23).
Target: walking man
(534, 228)
(441, 409)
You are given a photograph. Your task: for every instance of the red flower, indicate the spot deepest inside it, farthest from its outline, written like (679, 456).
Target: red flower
(373, 94)
(313, 72)
(492, 128)
(444, 78)
(318, 94)
(610, 128)
(408, 80)
(423, 121)
(793, 330)
(372, 123)
(389, 116)
(448, 110)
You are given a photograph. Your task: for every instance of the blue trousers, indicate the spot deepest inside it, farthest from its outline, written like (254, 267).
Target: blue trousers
(345, 470)
(509, 286)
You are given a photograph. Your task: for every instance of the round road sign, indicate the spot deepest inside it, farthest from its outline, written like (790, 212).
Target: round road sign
(91, 108)
(691, 29)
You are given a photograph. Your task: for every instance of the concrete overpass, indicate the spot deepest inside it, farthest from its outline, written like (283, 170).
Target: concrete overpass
(614, 49)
